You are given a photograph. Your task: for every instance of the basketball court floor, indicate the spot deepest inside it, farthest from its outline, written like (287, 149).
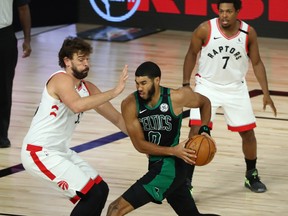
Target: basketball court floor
(218, 186)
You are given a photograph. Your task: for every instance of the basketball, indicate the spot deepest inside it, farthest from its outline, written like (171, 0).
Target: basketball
(204, 147)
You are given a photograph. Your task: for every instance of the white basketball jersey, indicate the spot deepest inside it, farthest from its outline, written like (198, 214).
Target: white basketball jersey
(224, 60)
(53, 123)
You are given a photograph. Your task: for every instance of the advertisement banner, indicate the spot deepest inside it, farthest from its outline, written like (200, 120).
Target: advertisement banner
(268, 17)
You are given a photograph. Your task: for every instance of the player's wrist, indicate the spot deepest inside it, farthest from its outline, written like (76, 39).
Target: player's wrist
(186, 84)
(204, 128)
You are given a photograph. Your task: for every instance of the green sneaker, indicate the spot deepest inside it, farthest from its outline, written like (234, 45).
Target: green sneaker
(252, 181)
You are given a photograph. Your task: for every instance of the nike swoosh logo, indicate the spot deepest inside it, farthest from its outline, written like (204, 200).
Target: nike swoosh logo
(215, 38)
(142, 111)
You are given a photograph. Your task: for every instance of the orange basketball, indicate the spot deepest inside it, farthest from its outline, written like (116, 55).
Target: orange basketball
(205, 149)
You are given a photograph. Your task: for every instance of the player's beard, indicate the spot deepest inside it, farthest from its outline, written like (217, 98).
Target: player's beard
(80, 74)
(150, 93)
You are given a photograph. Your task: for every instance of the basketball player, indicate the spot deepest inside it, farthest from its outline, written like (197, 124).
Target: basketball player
(153, 116)
(45, 151)
(226, 45)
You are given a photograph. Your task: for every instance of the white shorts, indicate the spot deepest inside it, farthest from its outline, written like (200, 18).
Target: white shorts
(234, 100)
(65, 172)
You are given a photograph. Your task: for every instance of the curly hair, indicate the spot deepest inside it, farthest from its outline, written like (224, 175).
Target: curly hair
(70, 46)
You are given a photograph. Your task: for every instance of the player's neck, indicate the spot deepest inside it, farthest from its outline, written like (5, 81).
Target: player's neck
(77, 82)
(155, 99)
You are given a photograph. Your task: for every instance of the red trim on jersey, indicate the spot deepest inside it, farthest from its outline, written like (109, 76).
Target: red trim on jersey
(247, 40)
(80, 86)
(33, 149)
(209, 34)
(86, 87)
(98, 179)
(86, 188)
(242, 128)
(75, 199)
(198, 122)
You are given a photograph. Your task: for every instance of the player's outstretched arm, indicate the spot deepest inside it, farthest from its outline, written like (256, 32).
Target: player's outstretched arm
(62, 87)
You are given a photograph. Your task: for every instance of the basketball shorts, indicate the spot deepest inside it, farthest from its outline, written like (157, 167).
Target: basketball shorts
(66, 172)
(232, 98)
(163, 178)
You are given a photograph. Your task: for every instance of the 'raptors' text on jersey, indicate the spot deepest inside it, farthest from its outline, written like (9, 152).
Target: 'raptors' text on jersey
(224, 60)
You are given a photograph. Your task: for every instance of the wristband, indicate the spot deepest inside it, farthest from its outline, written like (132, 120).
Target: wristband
(204, 128)
(186, 84)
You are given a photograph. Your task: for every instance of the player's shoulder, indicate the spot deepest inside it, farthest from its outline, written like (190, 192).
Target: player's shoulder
(58, 75)
(203, 29)
(181, 93)
(205, 23)
(203, 26)
(252, 35)
(129, 100)
(252, 31)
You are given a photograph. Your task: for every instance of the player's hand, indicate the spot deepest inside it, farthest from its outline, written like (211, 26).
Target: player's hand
(26, 49)
(188, 155)
(122, 81)
(267, 100)
(208, 136)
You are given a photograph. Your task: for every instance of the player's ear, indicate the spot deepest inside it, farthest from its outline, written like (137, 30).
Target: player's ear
(67, 61)
(157, 80)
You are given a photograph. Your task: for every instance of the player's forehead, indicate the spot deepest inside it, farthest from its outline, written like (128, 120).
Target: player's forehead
(80, 54)
(142, 79)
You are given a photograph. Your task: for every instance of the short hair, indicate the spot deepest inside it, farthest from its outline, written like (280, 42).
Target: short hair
(237, 3)
(149, 69)
(72, 45)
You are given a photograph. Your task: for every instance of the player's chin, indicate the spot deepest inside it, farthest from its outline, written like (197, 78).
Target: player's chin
(225, 24)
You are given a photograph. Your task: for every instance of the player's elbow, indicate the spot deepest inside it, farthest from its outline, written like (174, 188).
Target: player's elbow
(77, 108)
(140, 148)
(207, 101)
(204, 101)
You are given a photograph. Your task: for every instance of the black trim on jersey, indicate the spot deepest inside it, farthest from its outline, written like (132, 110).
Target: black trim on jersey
(245, 32)
(165, 92)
